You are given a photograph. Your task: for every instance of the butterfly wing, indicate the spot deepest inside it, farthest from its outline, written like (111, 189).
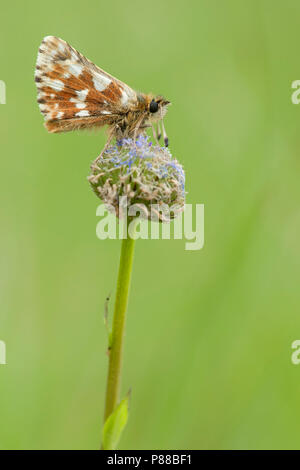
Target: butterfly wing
(73, 93)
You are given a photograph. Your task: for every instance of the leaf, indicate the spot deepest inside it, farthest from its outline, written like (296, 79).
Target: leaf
(114, 425)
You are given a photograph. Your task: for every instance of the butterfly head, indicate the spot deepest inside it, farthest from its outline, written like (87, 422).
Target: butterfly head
(158, 108)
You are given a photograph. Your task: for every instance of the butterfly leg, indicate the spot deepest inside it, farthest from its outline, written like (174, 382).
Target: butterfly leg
(155, 134)
(158, 131)
(110, 137)
(139, 123)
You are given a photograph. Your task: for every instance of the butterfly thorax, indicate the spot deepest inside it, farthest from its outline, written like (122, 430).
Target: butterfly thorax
(135, 119)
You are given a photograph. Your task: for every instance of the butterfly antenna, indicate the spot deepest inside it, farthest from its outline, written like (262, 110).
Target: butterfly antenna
(158, 131)
(166, 140)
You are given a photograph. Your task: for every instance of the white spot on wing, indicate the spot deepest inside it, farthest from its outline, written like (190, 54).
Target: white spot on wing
(78, 104)
(39, 59)
(61, 47)
(101, 82)
(105, 112)
(124, 98)
(57, 85)
(49, 38)
(82, 94)
(60, 115)
(75, 69)
(82, 113)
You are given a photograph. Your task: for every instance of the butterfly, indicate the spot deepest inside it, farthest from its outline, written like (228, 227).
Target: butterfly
(73, 93)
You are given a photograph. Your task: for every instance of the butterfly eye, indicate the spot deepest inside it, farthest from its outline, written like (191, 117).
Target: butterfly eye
(153, 106)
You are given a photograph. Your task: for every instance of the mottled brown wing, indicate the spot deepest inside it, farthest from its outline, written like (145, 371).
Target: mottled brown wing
(73, 93)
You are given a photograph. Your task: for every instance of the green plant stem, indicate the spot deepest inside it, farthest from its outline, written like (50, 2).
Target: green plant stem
(118, 327)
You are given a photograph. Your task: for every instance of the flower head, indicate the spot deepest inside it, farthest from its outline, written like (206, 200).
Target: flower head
(147, 175)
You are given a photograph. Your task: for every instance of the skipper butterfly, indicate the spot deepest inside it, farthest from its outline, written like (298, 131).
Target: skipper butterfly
(73, 93)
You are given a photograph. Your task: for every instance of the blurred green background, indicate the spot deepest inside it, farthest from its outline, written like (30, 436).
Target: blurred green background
(209, 333)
